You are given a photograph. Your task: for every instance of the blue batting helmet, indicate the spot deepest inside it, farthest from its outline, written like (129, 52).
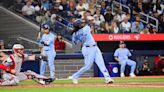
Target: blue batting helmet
(77, 23)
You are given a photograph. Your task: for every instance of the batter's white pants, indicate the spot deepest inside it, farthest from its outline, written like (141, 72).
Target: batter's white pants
(91, 55)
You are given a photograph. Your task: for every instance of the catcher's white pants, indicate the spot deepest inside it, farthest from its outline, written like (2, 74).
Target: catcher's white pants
(10, 79)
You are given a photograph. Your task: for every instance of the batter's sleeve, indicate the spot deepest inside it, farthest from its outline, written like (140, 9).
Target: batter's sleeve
(74, 39)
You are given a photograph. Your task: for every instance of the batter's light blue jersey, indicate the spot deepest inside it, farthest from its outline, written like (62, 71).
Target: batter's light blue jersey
(84, 36)
(122, 53)
(49, 39)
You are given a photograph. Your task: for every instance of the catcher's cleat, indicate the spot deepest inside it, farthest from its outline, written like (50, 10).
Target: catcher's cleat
(41, 81)
(49, 80)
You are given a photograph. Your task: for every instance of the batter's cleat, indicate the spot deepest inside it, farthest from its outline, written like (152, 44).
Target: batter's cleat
(122, 75)
(70, 77)
(74, 81)
(109, 81)
(132, 75)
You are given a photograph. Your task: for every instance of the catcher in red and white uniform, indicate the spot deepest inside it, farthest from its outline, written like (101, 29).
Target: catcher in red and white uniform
(11, 67)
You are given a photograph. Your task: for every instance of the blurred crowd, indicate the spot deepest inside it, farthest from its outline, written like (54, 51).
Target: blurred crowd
(97, 13)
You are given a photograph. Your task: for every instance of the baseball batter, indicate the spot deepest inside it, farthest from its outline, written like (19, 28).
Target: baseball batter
(12, 65)
(90, 51)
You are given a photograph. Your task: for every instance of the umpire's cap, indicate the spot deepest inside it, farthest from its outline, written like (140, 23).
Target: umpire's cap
(77, 23)
(45, 26)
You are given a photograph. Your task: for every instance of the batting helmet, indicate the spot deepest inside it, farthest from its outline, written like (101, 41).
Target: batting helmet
(77, 23)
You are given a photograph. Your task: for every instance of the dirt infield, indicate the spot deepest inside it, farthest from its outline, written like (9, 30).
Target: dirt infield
(115, 84)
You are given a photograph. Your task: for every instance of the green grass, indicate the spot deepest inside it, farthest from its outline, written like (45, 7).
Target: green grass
(83, 89)
(90, 89)
(91, 80)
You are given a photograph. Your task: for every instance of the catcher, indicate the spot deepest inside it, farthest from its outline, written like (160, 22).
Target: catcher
(11, 66)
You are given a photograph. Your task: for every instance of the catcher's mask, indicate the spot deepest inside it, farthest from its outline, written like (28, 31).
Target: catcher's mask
(18, 49)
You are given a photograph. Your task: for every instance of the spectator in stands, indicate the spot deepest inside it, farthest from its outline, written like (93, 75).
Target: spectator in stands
(86, 3)
(114, 29)
(145, 31)
(85, 15)
(59, 44)
(57, 8)
(158, 7)
(135, 28)
(64, 4)
(132, 4)
(108, 2)
(138, 8)
(161, 23)
(91, 7)
(121, 55)
(140, 24)
(71, 11)
(45, 5)
(108, 15)
(28, 10)
(125, 26)
(161, 65)
(103, 8)
(147, 6)
(81, 7)
(53, 18)
(153, 30)
(103, 28)
(47, 15)
(117, 16)
(44, 19)
(18, 6)
(99, 18)
(125, 2)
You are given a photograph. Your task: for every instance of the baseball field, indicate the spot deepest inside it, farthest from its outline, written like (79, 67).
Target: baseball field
(137, 84)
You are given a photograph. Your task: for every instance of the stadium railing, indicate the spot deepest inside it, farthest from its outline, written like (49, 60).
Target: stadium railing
(149, 19)
(116, 5)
